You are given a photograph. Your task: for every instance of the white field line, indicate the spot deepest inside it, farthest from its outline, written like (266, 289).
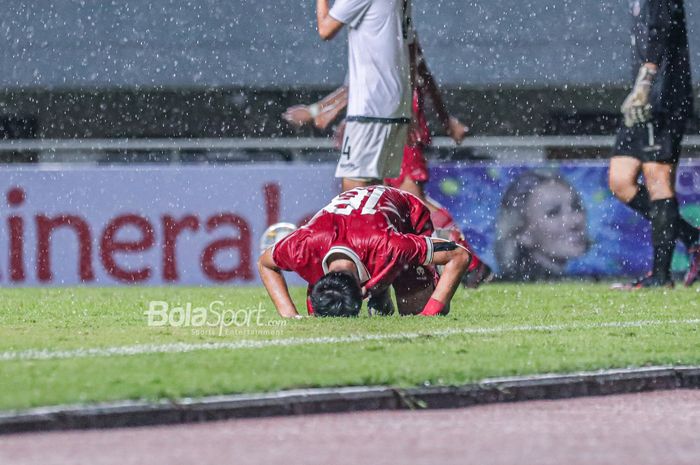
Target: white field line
(183, 347)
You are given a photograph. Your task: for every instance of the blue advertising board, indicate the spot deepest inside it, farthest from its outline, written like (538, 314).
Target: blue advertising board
(549, 220)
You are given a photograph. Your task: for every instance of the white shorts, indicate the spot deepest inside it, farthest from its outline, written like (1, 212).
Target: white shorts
(372, 150)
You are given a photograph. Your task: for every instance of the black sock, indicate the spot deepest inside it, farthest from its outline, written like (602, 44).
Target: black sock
(664, 227)
(687, 233)
(641, 202)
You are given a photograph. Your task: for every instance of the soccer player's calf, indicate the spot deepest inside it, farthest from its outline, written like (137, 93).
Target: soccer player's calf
(413, 289)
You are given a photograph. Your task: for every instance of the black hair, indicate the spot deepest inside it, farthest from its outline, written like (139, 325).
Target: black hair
(336, 294)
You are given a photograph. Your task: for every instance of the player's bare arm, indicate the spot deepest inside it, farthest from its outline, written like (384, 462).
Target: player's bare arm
(456, 261)
(331, 106)
(299, 115)
(328, 26)
(321, 113)
(453, 127)
(276, 286)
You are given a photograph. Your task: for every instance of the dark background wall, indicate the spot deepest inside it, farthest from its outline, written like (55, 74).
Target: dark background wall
(227, 68)
(69, 43)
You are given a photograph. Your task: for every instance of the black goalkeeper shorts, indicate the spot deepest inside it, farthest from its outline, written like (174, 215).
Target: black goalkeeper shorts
(656, 141)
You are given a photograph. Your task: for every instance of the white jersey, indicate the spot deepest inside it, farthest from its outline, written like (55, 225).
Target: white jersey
(379, 69)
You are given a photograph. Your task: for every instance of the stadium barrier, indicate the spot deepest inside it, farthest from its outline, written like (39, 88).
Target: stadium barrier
(148, 224)
(199, 224)
(499, 148)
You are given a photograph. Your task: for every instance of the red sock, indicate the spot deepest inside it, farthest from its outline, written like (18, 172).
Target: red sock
(432, 308)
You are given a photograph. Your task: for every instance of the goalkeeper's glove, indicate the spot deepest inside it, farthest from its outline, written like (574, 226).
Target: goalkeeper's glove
(636, 107)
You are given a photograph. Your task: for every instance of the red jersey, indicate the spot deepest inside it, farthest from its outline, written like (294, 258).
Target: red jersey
(380, 228)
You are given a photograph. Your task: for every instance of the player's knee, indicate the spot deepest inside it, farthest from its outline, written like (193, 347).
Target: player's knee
(623, 187)
(336, 294)
(411, 299)
(660, 191)
(659, 184)
(462, 258)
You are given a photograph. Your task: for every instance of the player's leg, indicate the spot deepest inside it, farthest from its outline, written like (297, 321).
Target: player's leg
(413, 302)
(413, 288)
(657, 147)
(624, 172)
(478, 272)
(685, 232)
(663, 212)
(623, 175)
(413, 187)
(355, 166)
(447, 228)
(371, 151)
(414, 175)
(660, 178)
(632, 149)
(625, 167)
(622, 178)
(414, 172)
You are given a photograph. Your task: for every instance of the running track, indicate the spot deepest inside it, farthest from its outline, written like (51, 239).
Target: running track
(660, 427)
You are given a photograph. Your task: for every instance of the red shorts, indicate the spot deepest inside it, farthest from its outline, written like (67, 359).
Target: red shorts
(413, 166)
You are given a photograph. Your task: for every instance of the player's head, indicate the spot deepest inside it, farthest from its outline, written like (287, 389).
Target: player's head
(337, 294)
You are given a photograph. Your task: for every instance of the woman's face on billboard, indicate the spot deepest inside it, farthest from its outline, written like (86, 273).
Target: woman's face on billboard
(556, 222)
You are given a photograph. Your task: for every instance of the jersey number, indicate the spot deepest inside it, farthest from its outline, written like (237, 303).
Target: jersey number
(346, 148)
(352, 200)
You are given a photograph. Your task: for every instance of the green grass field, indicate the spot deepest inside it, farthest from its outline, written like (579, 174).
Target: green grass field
(499, 330)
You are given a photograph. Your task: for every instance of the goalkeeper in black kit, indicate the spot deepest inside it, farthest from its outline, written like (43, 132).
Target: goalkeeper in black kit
(649, 142)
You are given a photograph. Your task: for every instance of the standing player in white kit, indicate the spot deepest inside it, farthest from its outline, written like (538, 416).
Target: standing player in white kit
(379, 81)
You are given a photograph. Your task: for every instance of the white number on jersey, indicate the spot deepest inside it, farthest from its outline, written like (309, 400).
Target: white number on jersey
(352, 200)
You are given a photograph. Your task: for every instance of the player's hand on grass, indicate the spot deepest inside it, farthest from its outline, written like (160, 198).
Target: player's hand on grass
(456, 130)
(298, 115)
(636, 107)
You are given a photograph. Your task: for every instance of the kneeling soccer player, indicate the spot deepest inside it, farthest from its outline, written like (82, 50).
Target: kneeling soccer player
(364, 241)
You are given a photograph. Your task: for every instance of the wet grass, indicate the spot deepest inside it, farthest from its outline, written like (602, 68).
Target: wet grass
(81, 318)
